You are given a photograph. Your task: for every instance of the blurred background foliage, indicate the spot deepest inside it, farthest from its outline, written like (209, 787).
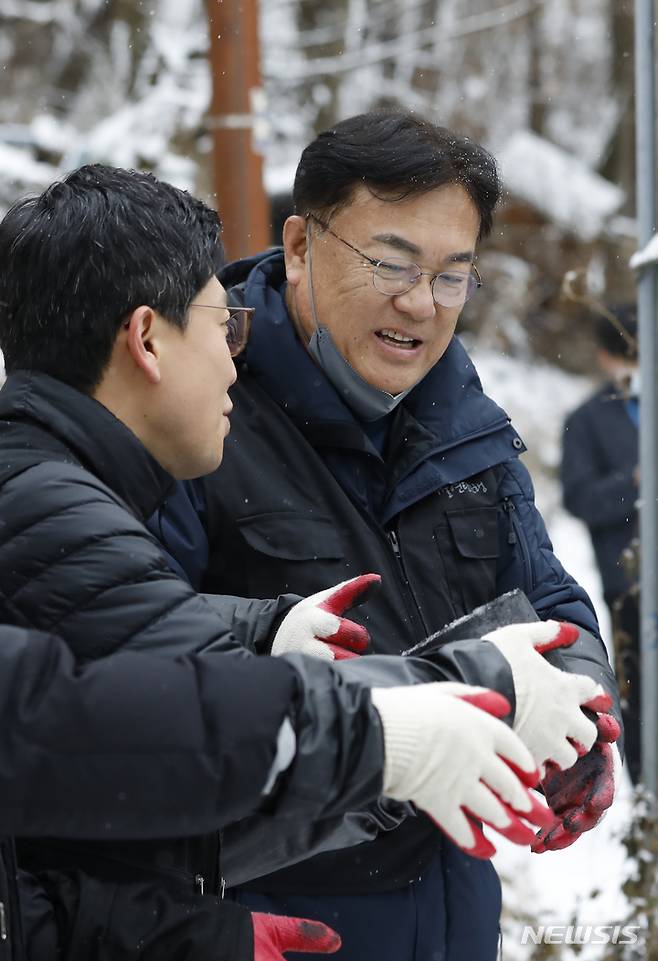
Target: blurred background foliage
(545, 84)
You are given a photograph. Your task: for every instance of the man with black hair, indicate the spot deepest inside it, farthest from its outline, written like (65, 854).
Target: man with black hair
(117, 383)
(376, 449)
(119, 349)
(600, 483)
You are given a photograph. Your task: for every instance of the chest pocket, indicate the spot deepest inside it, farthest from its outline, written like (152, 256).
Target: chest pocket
(283, 550)
(469, 549)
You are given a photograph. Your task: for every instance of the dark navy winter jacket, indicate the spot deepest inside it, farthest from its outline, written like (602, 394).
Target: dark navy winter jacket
(305, 499)
(600, 454)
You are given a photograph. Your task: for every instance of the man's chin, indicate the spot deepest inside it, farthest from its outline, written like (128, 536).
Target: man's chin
(201, 467)
(394, 387)
(394, 381)
(214, 463)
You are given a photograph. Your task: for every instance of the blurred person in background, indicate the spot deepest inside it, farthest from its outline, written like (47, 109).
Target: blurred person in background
(362, 440)
(600, 479)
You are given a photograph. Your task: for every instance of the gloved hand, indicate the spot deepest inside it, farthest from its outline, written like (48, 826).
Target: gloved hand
(581, 796)
(549, 718)
(275, 934)
(314, 626)
(446, 751)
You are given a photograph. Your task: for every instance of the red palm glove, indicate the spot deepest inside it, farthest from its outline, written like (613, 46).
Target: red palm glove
(275, 934)
(582, 794)
(315, 626)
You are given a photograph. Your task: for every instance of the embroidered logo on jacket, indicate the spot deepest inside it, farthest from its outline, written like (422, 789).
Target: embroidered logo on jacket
(464, 487)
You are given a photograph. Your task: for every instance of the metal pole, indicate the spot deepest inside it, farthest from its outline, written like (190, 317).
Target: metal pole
(645, 126)
(237, 167)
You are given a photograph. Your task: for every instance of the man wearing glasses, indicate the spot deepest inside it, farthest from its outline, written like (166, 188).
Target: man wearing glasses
(118, 347)
(362, 440)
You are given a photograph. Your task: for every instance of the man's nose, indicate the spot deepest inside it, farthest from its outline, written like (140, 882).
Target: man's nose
(418, 301)
(233, 374)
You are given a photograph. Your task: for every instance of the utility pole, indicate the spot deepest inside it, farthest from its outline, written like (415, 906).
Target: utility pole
(237, 166)
(645, 141)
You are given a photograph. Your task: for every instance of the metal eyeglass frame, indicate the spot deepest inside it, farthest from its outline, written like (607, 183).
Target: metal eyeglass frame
(474, 272)
(247, 312)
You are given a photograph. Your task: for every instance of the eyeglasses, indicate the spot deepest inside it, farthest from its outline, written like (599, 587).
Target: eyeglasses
(237, 327)
(393, 277)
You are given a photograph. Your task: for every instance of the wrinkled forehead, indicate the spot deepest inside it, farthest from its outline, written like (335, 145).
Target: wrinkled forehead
(439, 224)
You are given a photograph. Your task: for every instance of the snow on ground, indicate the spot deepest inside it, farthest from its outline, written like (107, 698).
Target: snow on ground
(556, 887)
(580, 885)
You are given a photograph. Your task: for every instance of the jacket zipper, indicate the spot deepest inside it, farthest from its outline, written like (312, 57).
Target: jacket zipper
(12, 937)
(222, 880)
(395, 544)
(515, 535)
(217, 881)
(415, 611)
(392, 544)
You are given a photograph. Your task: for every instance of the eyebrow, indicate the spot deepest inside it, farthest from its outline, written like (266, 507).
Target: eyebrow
(394, 240)
(463, 257)
(400, 243)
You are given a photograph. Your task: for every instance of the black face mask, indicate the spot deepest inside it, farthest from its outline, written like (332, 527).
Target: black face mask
(367, 402)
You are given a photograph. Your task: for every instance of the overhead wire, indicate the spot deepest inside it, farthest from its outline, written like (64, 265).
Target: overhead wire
(379, 51)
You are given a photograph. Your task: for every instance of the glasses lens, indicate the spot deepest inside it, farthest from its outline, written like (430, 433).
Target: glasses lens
(395, 276)
(237, 332)
(454, 289)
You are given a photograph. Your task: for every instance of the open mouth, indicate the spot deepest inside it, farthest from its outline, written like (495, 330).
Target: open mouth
(394, 338)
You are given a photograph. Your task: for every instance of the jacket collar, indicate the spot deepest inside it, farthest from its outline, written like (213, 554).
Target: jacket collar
(448, 404)
(96, 438)
(274, 349)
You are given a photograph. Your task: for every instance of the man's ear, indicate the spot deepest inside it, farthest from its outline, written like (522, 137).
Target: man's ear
(143, 343)
(294, 249)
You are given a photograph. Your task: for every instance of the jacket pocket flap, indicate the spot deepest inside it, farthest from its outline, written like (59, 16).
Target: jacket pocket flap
(475, 531)
(291, 536)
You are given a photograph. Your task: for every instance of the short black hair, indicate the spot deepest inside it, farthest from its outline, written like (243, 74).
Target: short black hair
(611, 339)
(395, 154)
(79, 258)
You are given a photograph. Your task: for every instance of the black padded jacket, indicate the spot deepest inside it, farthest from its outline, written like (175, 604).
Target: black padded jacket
(75, 559)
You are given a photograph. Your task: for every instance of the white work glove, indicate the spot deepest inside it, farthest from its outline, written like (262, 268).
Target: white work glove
(315, 627)
(446, 751)
(549, 718)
